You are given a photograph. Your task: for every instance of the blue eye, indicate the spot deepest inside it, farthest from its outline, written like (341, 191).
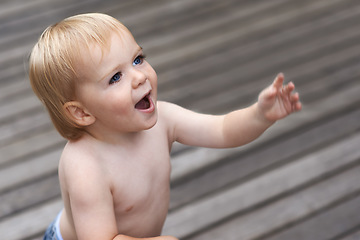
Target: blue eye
(115, 78)
(138, 60)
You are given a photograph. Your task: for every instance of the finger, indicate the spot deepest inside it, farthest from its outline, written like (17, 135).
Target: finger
(279, 80)
(294, 97)
(290, 87)
(287, 89)
(268, 93)
(297, 106)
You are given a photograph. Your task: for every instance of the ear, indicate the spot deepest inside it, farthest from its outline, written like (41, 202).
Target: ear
(78, 113)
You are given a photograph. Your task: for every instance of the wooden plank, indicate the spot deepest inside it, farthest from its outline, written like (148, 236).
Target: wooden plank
(19, 128)
(206, 212)
(292, 208)
(54, 11)
(332, 222)
(16, 54)
(260, 9)
(16, 21)
(25, 148)
(253, 49)
(296, 63)
(9, 8)
(30, 222)
(232, 33)
(179, 33)
(227, 100)
(224, 98)
(17, 38)
(15, 10)
(185, 165)
(20, 51)
(344, 74)
(352, 236)
(28, 195)
(11, 72)
(34, 168)
(19, 106)
(187, 30)
(9, 90)
(236, 168)
(160, 14)
(16, 44)
(229, 93)
(350, 179)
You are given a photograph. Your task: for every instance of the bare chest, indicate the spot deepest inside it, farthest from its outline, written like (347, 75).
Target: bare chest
(141, 186)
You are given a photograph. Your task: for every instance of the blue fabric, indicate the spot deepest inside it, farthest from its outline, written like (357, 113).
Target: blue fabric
(53, 231)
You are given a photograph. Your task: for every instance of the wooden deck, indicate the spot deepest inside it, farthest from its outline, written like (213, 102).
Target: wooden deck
(300, 180)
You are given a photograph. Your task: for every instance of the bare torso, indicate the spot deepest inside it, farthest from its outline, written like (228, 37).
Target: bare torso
(138, 176)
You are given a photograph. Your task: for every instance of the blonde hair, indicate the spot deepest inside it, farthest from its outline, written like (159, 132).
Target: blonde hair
(53, 60)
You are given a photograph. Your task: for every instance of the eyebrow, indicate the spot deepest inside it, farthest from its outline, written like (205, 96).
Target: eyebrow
(139, 49)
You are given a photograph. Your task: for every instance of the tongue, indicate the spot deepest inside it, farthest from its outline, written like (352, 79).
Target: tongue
(143, 104)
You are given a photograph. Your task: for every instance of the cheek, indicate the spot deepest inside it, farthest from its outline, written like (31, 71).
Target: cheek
(153, 78)
(108, 103)
(118, 102)
(153, 73)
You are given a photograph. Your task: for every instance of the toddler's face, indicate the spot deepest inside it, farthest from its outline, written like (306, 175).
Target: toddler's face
(118, 86)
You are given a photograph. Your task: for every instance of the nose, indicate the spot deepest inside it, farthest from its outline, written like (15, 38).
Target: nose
(138, 78)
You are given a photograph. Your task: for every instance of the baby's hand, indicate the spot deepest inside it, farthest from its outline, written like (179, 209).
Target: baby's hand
(278, 101)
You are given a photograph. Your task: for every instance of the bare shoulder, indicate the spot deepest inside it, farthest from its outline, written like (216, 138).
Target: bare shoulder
(164, 107)
(169, 111)
(77, 152)
(78, 161)
(167, 116)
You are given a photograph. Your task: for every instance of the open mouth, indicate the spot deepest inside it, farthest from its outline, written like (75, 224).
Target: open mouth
(144, 103)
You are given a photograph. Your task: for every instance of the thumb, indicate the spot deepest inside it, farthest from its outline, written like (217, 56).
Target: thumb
(268, 94)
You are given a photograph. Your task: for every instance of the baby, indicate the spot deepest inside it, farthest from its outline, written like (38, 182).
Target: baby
(101, 95)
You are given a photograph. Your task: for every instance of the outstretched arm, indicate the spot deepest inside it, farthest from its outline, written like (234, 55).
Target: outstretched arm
(275, 102)
(235, 128)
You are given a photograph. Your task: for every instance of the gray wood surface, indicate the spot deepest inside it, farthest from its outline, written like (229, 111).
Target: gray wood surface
(300, 180)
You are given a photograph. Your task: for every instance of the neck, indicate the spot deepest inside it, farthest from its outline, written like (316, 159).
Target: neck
(127, 138)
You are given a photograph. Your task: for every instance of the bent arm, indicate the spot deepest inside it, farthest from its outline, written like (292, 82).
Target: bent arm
(123, 237)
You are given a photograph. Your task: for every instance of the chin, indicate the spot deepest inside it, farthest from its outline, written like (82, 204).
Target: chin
(152, 123)
(149, 121)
